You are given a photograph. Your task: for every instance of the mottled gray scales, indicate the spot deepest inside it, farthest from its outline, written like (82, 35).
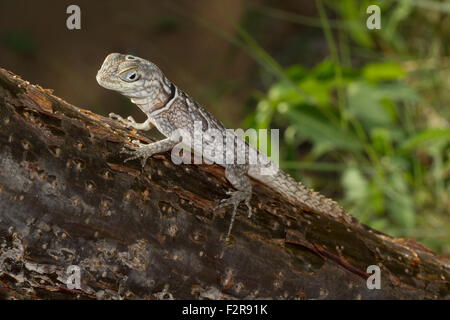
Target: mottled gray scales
(169, 108)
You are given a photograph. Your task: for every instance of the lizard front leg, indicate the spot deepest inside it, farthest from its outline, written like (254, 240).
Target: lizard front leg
(130, 122)
(145, 151)
(236, 175)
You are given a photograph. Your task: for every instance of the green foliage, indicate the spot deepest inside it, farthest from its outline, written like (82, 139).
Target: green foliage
(388, 179)
(372, 114)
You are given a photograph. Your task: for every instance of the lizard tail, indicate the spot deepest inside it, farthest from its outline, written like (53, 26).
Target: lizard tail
(299, 194)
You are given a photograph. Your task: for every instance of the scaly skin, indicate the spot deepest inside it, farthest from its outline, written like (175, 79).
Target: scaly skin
(169, 109)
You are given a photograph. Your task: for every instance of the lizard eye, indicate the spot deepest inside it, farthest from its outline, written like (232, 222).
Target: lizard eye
(129, 75)
(130, 57)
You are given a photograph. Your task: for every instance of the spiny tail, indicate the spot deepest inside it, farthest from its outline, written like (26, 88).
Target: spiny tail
(300, 195)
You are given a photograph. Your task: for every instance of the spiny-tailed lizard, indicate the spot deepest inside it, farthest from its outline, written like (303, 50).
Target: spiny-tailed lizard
(170, 109)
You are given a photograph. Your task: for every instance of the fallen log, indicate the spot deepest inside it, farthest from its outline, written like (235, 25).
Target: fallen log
(68, 199)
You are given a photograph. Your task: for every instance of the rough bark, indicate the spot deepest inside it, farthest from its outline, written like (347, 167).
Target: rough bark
(67, 198)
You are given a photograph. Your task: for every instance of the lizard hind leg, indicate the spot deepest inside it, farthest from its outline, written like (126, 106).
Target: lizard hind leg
(236, 175)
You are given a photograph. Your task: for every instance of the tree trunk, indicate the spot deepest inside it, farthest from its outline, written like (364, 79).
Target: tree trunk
(67, 198)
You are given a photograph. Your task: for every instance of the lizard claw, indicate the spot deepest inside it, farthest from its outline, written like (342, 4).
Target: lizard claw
(131, 120)
(141, 151)
(131, 123)
(143, 160)
(115, 116)
(234, 200)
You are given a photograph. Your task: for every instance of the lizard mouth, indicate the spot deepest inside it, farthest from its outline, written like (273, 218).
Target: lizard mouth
(102, 80)
(99, 78)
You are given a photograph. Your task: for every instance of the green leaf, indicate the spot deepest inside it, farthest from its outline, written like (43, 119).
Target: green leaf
(324, 70)
(384, 71)
(311, 124)
(372, 102)
(355, 185)
(365, 103)
(296, 72)
(320, 91)
(382, 140)
(284, 92)
(400, 201)
(425, 137)
(397, 91)
(264, 114)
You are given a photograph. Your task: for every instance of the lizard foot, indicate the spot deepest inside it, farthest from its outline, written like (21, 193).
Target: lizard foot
(236, 198)
(143, 151)
(128, 121)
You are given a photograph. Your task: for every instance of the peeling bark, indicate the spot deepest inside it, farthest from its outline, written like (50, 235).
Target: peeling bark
(67, 198)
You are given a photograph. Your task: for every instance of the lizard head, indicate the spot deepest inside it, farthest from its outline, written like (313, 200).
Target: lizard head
(128, 74)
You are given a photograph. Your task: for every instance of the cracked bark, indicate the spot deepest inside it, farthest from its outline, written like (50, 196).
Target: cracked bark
(67, 198)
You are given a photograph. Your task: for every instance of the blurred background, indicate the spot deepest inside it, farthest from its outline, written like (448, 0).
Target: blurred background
(363, 114)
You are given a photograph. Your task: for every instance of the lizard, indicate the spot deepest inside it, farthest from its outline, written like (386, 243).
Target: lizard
(169, 109)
